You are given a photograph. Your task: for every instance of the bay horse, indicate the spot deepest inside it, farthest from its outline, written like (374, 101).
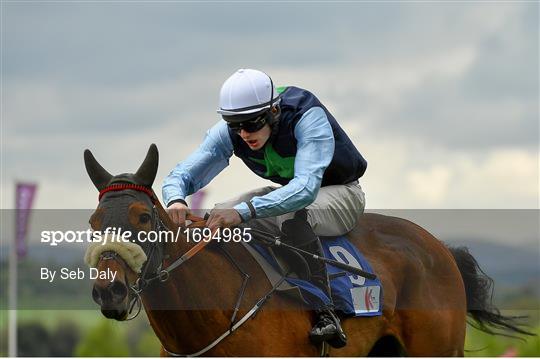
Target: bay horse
(213, 305)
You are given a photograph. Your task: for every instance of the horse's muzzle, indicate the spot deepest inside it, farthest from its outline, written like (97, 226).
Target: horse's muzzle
(116, 314)
(112, 299)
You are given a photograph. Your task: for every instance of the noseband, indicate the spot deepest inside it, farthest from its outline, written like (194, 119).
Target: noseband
(162, 275)
(136, 300)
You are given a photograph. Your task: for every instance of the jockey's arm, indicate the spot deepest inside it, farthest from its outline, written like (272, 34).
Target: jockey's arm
(201, 166)
(315, 150)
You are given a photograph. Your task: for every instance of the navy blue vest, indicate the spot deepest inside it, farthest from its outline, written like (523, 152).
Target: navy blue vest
(346, 166)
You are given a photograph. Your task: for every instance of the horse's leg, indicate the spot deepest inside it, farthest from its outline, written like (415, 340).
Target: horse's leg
(429, 296)
(362, 334)
(433, 313)
(433, 332)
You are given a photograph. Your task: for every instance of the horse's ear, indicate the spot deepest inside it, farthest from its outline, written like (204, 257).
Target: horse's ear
(99, 175)
(148, 170)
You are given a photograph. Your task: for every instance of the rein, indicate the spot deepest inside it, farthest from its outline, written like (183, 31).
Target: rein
(163, 221)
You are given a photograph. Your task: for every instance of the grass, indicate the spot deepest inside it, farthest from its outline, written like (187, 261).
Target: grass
(480, 344)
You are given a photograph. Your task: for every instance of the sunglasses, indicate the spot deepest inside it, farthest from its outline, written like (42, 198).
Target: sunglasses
(249, 125)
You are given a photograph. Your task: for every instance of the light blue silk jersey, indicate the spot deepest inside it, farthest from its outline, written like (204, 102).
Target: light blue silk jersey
(315, 149)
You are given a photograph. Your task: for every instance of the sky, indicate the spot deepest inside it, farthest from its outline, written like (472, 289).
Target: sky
(441, 98)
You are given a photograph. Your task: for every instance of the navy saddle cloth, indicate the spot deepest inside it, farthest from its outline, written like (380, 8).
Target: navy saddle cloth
(352, 294)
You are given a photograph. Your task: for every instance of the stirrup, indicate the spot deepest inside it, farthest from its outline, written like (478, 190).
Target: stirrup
(328, 329)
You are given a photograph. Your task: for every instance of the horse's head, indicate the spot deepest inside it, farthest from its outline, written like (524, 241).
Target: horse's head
(126, 203)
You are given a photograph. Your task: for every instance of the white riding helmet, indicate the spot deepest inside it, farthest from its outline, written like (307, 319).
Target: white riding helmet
(246, 91)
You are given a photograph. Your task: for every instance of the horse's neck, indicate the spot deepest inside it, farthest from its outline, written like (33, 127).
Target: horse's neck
(199, 295)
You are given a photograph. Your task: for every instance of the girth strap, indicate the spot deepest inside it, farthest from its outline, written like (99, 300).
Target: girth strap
(237, 325)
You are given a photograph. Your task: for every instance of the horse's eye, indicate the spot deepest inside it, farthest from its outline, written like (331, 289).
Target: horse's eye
(144, 218)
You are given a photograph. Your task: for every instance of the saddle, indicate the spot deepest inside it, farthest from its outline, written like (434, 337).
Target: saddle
(290, 263)
(352, 295)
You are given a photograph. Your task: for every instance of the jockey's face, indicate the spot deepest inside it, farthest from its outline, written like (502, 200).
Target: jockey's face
(256, 140)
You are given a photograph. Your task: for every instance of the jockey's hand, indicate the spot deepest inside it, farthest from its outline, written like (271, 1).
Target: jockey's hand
(223, 218)
(178, 212)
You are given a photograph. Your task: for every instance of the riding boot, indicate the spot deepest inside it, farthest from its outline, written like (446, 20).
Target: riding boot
(328, 326)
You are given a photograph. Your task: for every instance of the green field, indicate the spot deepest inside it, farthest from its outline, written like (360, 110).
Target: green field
(480, 344)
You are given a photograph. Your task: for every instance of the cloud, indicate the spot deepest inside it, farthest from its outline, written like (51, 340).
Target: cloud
(431, 184)
(441, 98)
(411, 174)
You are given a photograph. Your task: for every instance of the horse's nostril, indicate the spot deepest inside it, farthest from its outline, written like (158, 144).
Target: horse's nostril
(118, 290)
(101, 295)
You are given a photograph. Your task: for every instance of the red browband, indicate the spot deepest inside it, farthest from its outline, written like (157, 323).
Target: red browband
(123, 186)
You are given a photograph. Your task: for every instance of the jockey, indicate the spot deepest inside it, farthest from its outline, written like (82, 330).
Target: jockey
(285, 135)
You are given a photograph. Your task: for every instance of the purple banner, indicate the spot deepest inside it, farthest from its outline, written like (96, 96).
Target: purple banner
(23, 205)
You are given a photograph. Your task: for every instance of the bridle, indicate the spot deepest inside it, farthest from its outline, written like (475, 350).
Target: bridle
(136, 299)
(161, 274)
